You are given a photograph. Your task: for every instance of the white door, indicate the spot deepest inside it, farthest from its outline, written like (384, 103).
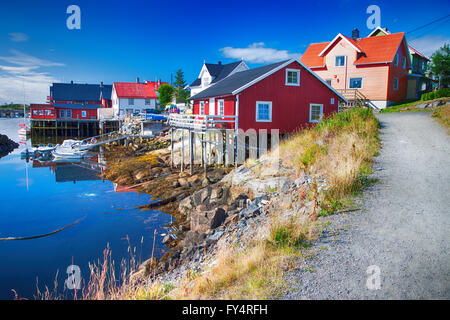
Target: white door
(212, 107)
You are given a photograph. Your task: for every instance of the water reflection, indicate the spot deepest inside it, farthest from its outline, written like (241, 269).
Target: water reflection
(41, 195)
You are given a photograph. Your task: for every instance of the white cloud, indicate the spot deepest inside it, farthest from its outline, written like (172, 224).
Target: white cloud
(258, 53)
(429, 44)
(22, 80)
(23, 59)
(18, 37)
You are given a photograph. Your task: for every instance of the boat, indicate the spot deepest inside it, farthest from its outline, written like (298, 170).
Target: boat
(46, 148)
(69, 150)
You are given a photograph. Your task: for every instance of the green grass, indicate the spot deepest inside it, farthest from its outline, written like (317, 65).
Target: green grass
(410, 106)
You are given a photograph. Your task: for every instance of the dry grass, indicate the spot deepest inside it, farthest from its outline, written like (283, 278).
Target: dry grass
(340, 149)
(442, 114)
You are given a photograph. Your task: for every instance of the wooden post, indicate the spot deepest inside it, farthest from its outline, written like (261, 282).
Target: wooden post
(191, 151)
(171, 147)
(182, 150)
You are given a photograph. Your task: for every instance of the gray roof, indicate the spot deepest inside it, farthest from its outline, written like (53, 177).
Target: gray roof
(78, 105)
(217, 71)
(79, 92)
(235, 81)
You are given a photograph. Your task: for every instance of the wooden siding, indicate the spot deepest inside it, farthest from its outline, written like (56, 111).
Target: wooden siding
(290, 104)
(374, 77)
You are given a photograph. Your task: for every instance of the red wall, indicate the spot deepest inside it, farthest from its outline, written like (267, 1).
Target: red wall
(290, 104)
(401, 74)
(36, 109)
(77, 113)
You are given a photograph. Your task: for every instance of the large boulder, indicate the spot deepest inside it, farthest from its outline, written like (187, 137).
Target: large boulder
(203, 221)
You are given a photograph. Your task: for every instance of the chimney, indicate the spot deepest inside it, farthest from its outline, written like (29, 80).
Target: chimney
(219, 63)
(355, 34)
(101, 84)
(137, 79)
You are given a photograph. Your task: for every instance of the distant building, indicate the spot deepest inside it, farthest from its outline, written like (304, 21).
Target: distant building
(212, 73)
(418, 81)
(134, 97)
(73, 101)
(375, 67)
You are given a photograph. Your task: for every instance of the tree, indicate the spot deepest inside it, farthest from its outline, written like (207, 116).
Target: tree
(440, 65)
(166, 92)
(181, 94)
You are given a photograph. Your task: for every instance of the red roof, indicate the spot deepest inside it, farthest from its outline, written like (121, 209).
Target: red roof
(145, 90)
(378, 49)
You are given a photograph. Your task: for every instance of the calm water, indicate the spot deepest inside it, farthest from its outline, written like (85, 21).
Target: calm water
(40, 198)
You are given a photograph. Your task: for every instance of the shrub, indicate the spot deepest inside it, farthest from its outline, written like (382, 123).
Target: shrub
(441, 93)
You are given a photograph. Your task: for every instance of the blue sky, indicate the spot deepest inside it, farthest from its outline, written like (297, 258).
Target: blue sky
(122, 40)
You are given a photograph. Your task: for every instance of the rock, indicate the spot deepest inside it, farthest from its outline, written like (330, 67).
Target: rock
(201, 196)
(184, 182)
(203, 221)
(422, 106)
(241, 201)
(216, 236)
(251, 211)
(6, 145)
(192, 239)
(232, 220)
(216, 193)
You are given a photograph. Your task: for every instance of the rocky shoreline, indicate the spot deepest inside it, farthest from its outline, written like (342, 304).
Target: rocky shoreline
(6, 145)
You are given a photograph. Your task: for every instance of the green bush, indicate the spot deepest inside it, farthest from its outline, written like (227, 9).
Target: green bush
(441, 93)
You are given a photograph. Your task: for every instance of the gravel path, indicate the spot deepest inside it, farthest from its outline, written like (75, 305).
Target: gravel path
(403, 227)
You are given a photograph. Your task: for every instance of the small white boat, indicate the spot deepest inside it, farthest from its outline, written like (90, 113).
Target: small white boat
(69, 150)
(46, 148)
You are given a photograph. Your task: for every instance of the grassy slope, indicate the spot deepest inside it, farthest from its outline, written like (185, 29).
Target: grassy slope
(410, 106)
(442, 114)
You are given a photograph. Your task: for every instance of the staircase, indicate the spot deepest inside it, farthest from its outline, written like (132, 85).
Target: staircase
(355, 99)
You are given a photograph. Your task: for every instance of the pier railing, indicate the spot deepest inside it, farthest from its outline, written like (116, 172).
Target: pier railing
(202, 122)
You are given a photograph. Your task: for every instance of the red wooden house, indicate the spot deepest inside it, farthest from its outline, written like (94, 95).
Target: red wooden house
(285, 95)
(70, 101)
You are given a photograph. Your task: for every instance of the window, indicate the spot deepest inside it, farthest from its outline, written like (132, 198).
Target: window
(332, 101)
(424, 65)
(35, 112)
(404, 62)
(83, 114)
(62, 113)
(263, 111)
(147, 102)
(328, 81)
(68, 113)
(221, 107)
(48, 112)
(315, 112)
(355, 83)
(396, 60)
(131, 102)
(206, 81)
(41, 112)
(340, 61)
(292, 77)
(395, 83)
(202, 107)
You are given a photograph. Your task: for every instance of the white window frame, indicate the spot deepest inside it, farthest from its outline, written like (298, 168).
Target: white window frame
(69, 113)
(396, 60)
(350, 80)
(335, 60)
(83, 114)
(332, 101)
(310, 112)
(221, 107)
(297, 71)
(404, 62)
(201, 108)
(147, 102)
(393, 83)
(257, 111)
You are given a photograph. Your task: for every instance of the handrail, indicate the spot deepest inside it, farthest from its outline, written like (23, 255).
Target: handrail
(197, 121)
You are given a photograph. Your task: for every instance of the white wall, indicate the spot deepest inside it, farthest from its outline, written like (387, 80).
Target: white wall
(120, 105)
